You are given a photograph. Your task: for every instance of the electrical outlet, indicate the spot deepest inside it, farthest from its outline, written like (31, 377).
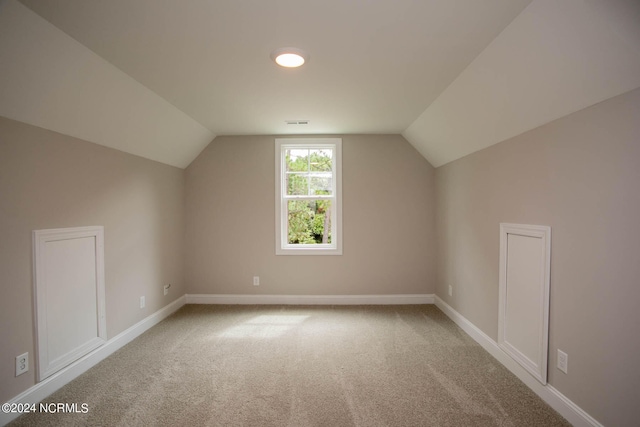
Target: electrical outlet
(450, 290)
(256, 280)
(563, 361)
(22, 364)
(166, 288)
(142, 302)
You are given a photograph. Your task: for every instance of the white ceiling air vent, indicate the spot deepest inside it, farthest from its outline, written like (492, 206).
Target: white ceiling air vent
(297, 122)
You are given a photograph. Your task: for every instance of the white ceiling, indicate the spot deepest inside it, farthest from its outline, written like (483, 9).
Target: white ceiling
(555, 58)
(161, 79)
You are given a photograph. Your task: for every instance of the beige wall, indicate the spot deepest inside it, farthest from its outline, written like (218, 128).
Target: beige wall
(581, 176)
(388, 217)
(49, 180)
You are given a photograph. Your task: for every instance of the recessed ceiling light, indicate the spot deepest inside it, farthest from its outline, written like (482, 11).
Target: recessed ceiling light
(289, 57)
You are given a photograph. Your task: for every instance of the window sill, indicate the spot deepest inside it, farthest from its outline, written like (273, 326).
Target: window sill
(308, 250)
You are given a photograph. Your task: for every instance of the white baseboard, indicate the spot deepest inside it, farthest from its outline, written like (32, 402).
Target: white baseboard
(44, 388)
(572, 412)
(310, 299)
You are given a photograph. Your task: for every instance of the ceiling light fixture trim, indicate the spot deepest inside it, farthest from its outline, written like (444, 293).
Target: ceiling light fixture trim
(289, 57)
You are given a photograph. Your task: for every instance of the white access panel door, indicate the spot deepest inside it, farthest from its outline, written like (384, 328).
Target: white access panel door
(69, 292)
(523, 329)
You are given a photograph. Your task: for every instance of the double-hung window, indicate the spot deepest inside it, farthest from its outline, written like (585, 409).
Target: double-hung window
(308, 196)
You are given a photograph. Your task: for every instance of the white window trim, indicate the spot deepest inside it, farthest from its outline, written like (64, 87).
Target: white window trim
(282, 247)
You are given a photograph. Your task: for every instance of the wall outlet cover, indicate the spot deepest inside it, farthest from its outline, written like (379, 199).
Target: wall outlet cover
(22, 364)
(563, 361)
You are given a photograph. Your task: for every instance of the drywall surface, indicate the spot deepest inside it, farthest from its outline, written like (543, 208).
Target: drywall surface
(49, 180)
(388, 218)
(581, 176)
(51, 80)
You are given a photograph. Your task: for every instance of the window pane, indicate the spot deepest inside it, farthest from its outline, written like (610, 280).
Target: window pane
(309, 221)
(321, 183)
(297, 160)
(321, 160)
(297, 184)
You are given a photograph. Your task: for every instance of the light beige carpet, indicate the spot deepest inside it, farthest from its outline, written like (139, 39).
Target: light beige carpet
(301, 366)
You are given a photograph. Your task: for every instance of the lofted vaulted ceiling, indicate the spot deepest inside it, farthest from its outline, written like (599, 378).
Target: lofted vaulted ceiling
(161, 79)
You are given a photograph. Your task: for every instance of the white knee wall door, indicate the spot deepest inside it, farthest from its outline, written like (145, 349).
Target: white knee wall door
(69, 295)
(523, 320)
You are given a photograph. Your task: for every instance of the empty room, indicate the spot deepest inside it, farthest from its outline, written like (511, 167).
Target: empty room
(320, 213)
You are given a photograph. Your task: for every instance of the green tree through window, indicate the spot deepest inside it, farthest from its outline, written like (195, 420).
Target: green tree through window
(309, 173)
